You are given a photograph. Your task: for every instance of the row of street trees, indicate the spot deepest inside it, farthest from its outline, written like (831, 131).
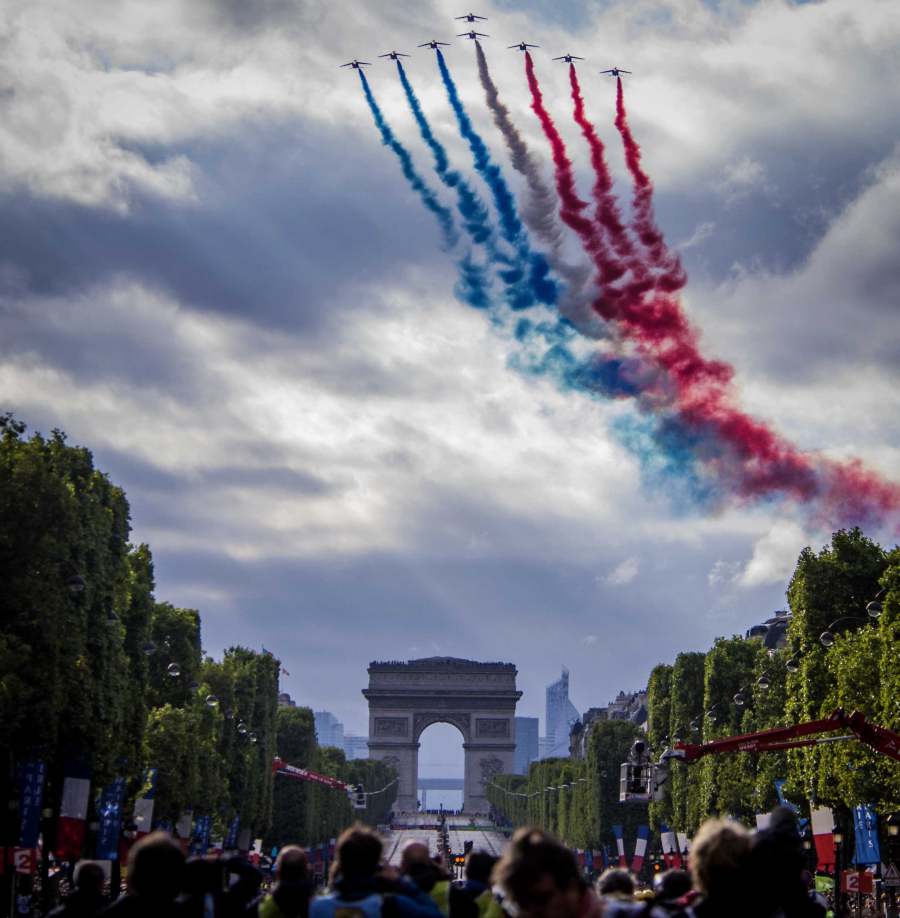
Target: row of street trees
(99, 678)
(841, 651)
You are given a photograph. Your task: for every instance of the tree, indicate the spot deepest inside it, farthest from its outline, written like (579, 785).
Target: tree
(687, 721)
(296, 745)
(659, 713)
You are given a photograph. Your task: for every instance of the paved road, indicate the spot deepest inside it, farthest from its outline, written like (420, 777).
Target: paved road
(461, 829)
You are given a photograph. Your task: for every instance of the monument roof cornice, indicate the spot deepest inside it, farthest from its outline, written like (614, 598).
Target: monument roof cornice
(440, 665)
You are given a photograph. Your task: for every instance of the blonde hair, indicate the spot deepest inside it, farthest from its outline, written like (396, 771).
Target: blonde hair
(718, 856)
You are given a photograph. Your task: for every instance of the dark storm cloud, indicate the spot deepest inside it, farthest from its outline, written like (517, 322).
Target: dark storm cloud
(285, 229)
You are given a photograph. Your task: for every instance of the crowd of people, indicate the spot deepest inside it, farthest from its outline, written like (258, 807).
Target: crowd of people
(733, 874)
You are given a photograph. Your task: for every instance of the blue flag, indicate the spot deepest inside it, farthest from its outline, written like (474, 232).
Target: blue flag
(110, 812)
(865, 828)
(31, 796)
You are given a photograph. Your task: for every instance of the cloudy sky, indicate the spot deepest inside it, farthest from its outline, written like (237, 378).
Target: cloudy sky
(214, 275)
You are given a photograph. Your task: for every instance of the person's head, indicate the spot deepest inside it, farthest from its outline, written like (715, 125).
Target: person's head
(358, 853)
(673, 884)
(89, 878)
(539, 876)
(414, 853)
(155, 866)
(777, 854)
(479, 865)
(291, 865)
(200, 876)
(718, 857)
(616, 883)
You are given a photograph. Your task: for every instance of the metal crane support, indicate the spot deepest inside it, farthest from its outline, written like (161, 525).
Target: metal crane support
(880, 739)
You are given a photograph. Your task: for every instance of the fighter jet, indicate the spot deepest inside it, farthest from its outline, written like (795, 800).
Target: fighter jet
(355, 64)
(615, 71)
(473, 35)
(523, 46)
(434, 44)
(568, 58)
(393, 55)
(471, 17)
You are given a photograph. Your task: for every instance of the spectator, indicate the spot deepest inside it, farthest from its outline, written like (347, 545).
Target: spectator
(616, 890)
(242, 882)
(673, 889)
(201, 883)
(360, 887)
(293, 887)
(86, 900)
(426, 876)
(539, 878)
(155, 866)
(777, 855)
(474, 898)
(718, 862)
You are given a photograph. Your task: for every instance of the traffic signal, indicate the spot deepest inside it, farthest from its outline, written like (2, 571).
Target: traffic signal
(459, 860)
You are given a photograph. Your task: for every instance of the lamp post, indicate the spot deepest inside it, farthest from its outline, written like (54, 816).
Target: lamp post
(838, 837)
(893, 830)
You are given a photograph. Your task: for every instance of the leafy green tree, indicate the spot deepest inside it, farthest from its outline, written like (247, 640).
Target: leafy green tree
(687, 720)
(659, 713)
(296, 745)
(835, 583)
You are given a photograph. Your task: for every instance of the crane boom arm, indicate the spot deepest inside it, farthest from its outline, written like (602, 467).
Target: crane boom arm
(280, 767)
(882, 740)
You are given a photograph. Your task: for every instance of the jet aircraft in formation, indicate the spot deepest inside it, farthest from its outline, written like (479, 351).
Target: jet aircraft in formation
(434, 44)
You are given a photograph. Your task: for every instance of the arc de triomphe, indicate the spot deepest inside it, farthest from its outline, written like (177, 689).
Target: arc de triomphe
(477, 698)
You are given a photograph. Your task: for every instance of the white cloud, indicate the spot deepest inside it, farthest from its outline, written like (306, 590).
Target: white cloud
(774, 556)
(623, 573)
(723, 574)
(589, 640)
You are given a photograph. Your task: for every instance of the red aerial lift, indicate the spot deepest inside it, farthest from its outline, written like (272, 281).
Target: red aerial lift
(642, 780)
(355, 792)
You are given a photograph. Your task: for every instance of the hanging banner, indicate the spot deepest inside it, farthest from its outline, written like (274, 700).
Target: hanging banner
(143, 805)
(200, 841)
(671, 857)
(684, 846)
(763, 820)
(109, 813)
(599, 860)
(184, 824)
(231, 837)
(71, 828)
(865, 829)
(640, 848)
(31, 798)
(620, 845)
(823, 835)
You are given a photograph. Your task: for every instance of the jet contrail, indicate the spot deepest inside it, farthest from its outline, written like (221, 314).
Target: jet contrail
(670, 274)
(539, 212)
(531, 269)
(426, 195)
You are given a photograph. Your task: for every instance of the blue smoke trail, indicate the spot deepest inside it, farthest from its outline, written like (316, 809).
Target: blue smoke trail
(474, 213)
(532, 267)
(427, 196)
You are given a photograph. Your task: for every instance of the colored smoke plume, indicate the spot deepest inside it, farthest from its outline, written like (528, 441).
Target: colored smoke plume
(671, 275)
(475, 216)
(426, 195)
(539, 211)
(537, 285)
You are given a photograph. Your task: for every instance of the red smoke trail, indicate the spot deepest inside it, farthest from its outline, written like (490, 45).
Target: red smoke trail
(745, 453)
(572, 209)
(672, 276)
(608, 213)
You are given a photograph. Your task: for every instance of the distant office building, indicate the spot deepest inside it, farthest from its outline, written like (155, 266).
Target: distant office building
(356, 747)
(560, 716)
(545, 747)
(285, 701)
(329, 730)
(527, 748)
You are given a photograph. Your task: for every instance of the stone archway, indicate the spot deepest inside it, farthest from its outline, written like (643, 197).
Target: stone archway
(479, 699)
